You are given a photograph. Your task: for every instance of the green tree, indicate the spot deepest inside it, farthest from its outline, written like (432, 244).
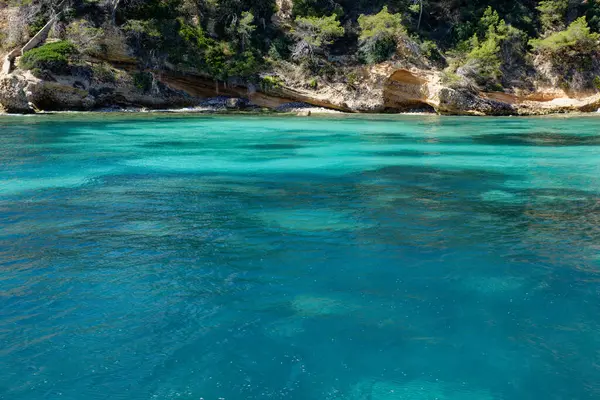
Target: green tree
(592, 13)
(553, 14)
(379, 34)
(243, 28)
(314, 34)
(316, 8)
(488, 22)
(382, 23)
(486, 54)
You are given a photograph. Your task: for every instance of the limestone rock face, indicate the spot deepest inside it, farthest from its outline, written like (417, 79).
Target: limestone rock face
(405, 89)
(53, 96)
(22, 92)
(14, 93)
(379, 88)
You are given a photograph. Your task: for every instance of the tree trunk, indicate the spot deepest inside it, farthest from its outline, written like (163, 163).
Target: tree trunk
(113, 12)
(420, 14)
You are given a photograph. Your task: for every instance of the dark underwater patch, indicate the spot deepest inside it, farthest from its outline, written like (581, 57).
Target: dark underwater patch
(180, 144)
(273, 146)
(415, 153)
(542, 138)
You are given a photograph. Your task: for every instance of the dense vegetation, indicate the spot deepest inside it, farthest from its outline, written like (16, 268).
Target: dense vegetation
(492, 44)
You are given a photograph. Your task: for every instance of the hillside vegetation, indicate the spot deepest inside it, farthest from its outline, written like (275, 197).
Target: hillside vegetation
(489, 45)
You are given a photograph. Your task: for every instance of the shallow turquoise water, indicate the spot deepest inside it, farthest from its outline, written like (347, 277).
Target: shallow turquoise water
(413, 258)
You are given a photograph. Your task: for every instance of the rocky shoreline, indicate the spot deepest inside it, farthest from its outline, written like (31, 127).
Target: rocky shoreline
(387, 90)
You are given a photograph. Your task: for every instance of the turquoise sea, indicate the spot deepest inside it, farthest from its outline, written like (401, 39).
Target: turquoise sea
(326, 258)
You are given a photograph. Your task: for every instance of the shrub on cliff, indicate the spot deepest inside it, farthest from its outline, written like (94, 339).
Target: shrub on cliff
(86, 37)
(569, 58)
(53, 57)
(574, 43)
(379, 35)
(221, 59)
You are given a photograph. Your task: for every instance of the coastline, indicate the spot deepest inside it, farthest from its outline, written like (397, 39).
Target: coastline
(222, 106)
(394, 91)
(315, 112)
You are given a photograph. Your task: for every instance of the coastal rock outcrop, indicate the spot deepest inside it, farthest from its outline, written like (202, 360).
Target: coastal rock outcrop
(408, 89)
(464, 102)
(22, 92)
(235, 103)
(59, 96)
(404, 90)
(14, 90)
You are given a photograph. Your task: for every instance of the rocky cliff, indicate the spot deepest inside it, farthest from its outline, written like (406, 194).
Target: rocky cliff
(382, 89)
(115, 79)
(405, 88)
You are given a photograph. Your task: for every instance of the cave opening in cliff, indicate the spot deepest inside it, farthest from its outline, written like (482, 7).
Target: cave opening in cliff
(412, 107)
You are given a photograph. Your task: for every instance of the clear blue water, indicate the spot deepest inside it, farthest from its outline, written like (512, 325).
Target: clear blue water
(417, 258)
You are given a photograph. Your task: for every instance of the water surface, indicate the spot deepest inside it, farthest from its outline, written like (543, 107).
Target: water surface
(213, 257)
